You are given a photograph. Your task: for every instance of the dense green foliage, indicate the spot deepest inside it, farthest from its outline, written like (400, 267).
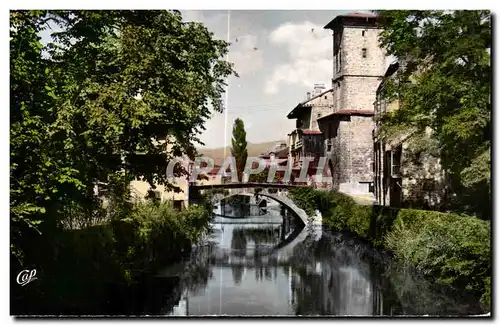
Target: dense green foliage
(263, 177)
(444, 85)
(239, 146)
(94, 103)
(99, 102)
(453, 248)
(159, 233)
(88, 263)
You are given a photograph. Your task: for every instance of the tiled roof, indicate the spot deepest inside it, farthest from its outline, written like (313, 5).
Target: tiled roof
(360, 14)
(279, 151)
(305, 103)
(215, 170)
(311, 132)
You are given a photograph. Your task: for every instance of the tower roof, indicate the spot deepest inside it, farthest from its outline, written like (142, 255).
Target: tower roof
(360, 14)
(353, 19)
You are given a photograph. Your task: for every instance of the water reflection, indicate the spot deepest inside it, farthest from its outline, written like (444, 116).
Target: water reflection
(243, 271)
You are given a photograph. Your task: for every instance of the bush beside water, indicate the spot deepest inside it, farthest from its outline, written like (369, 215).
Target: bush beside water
(448, 247)
(86, 267)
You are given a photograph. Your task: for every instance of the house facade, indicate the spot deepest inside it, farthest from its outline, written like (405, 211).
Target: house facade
(140, 189)
(404, 176)
(358, 68)
(307, 140)
(212, 177)
(277, 156)
(280, 152)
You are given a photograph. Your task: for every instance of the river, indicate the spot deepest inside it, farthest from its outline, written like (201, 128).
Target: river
(274, 265)
(257, 261)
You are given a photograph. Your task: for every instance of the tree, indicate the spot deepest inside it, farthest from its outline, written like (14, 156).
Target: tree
(239, 146)
(263, 176)
(444, 84)
(96, 102)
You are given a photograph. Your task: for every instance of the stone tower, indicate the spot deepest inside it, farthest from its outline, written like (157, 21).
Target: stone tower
(358, 68)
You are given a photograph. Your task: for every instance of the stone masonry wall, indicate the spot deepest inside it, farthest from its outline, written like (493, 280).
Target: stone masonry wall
(340, 150)
(354, 88)
(360, 75)
(359, 93)
(336, 95)
(361, 149)
(352, 151)
(321, 106)
(423, 180)
(363, 66)
(353, 44)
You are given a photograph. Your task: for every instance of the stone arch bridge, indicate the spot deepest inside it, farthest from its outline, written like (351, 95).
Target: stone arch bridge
(195, 194)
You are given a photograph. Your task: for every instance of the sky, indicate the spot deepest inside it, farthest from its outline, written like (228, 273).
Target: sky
(279, 55)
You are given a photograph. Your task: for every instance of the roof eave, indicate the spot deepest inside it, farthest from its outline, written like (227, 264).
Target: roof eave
(335, 21)
(293, 114)
(349, 113)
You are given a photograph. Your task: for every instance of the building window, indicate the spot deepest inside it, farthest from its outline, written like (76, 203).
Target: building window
(338, 59)
(363, 51)
(363, 33)
(178, 205)
(328, 145)
(396, 162)
(337, 96)
(326, 97)
(319, 115)
(153, 195)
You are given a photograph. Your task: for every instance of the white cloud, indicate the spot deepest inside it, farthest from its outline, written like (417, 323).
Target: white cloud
(246, 55)
(309, 49)
(244, 50)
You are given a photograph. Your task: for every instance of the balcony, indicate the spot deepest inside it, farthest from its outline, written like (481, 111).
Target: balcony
(296, 145)
(299, 163)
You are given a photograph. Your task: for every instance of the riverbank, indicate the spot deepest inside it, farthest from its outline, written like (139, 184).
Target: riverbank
(449, 248)
(325, 274)
(79, 270)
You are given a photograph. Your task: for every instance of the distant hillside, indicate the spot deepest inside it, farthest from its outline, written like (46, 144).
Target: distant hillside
(253, 150)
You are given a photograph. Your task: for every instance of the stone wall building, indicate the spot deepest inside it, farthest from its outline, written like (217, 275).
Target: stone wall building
(405, 175)
(358, 67)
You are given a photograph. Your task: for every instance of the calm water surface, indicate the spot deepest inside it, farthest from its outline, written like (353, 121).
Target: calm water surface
(275, 265)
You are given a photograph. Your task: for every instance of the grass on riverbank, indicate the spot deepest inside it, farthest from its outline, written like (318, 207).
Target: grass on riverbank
(86, 267)
(451, 248)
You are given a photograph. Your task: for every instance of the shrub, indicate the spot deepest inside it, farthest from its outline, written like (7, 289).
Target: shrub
(158, 232)
(486, 297)
(304, 198)
(81, 266)
(454, 248)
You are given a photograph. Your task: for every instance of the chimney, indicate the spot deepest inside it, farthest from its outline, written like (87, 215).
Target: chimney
(308, 95)
(318, 88)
